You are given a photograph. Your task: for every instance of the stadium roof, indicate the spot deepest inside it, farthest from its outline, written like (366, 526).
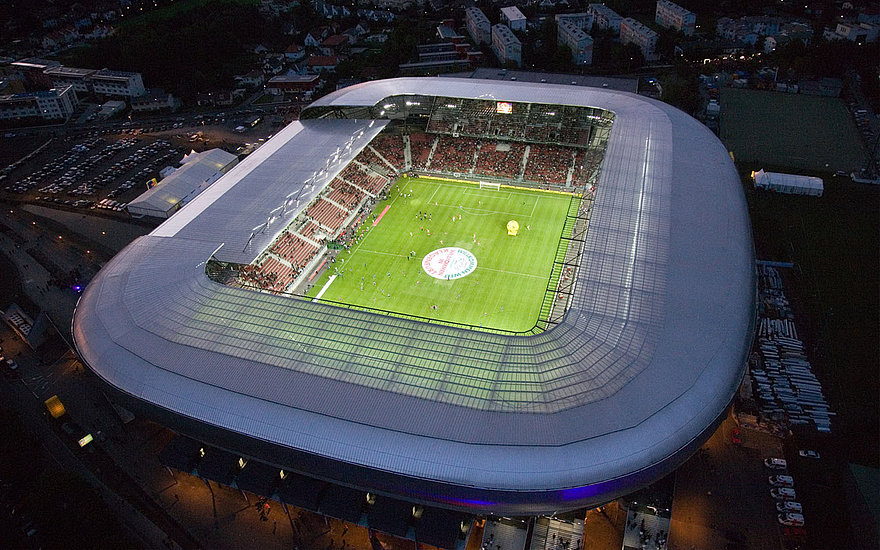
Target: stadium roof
(649, 355)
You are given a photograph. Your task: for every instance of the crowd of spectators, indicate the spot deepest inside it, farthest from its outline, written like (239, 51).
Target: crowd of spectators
(364, 179)
(454, 154)
(343, 194)
(420, 149)
(369, 157)
(269, 274)
(294, 249)
(548, 164)
(391, 147)
(500, 160)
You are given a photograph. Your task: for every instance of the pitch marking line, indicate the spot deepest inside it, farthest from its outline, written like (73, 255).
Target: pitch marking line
(492, 195)
(513, 273)
(324, 288)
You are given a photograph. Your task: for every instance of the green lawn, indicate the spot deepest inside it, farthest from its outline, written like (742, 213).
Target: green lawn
(507, 288)
(790, 130)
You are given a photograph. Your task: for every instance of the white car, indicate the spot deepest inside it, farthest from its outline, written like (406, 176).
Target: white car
(789, 506)
(781, 481)
(783, 493)
(794, 520)
(775, 463)
(808, 454)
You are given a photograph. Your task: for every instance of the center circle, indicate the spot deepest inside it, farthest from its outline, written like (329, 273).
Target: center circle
(449, 263)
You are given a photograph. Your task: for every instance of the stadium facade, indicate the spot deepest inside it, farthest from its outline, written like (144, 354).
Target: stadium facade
(632, 380)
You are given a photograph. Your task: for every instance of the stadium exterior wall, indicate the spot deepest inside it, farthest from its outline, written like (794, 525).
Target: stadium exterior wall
(636, 376)
(421, 491)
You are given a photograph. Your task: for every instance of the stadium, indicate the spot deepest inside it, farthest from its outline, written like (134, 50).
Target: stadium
(494, 367)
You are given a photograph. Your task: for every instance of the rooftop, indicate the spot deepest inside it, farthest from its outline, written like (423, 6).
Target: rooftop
(512, 13)
(664, 307)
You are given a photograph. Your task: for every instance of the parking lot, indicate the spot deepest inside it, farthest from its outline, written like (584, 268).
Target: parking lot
(90, 173)
(722, 494)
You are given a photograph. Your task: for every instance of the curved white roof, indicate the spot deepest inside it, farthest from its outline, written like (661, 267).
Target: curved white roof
(651, 351)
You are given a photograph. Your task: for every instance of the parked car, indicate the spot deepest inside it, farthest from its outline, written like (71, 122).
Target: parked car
(808, 454)
(776, 463)
(781, 481)
(783, 493)
(793, 520)
(789, 506)
(794, 532)
(10, 368)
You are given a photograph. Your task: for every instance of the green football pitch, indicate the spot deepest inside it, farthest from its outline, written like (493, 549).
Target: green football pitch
(503, 289)
(790, 131)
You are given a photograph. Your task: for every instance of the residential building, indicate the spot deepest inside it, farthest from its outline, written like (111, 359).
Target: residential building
(118, 83)
(673, 16)
(513, 18)
(605, 17)
(71, 76)
(506, 45)
(334, 44)
(862, 33)
(33, 70)
(748, 29)
(251, 79)
(578, 41)
(54, 104)
(478, 26)
(294, 52)
(446, 33)
(157, 100)
(582, 20)
(300, 84)
(322, 63)
(633, 32)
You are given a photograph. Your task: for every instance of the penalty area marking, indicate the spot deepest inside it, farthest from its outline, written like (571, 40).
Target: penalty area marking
(324, 288)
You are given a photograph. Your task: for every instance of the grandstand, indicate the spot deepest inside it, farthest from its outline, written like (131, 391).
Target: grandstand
(202, 324)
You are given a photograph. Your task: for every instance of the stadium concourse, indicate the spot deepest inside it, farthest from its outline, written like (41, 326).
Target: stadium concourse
(201, 324)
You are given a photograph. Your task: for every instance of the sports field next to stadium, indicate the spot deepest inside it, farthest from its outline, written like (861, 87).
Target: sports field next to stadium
(440, 249)
(790, 130)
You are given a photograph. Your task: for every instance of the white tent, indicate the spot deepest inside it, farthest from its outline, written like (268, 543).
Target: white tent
(198, 171)
(788, 183)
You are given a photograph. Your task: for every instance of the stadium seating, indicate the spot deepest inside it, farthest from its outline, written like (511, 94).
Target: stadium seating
(420, 148)
(391, 149)
(344, 194)
(454, 155)
(500, 163)
(270, 274)
(364, 179)
(329, 216)
(548, 164)
(296, 250)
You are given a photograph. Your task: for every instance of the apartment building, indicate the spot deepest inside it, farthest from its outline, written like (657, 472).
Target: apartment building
(506, 45)
(513, 18)
(478, 26)
(672, 16)
(54, 104)
(633, 32)
(605, 17)
(578, 41)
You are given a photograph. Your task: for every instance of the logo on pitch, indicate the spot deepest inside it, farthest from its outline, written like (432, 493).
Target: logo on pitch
(449, 263)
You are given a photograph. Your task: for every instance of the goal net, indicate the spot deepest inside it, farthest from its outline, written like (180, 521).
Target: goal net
(490, 185)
